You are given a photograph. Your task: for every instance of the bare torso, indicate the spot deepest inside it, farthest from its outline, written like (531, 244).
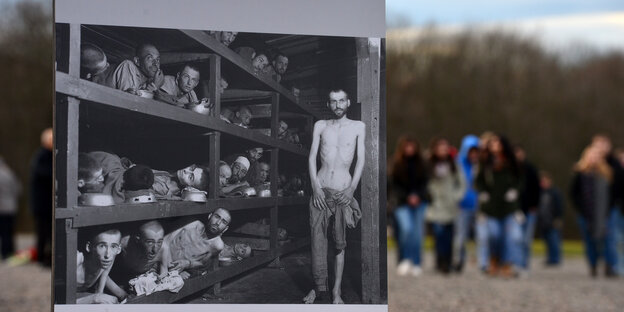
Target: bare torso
(191, 242)
(338, 140)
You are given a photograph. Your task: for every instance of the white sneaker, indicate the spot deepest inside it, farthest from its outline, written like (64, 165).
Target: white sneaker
(404, 267)
(416, 271)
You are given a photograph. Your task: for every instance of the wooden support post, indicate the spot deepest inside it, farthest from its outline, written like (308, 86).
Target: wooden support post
(274, 172)
(368, 51)
(215, 155)
(70, 262)
(215, 84)
(74, 50)
(71, 160)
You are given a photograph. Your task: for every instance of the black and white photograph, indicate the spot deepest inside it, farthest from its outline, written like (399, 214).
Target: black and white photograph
(212, 166)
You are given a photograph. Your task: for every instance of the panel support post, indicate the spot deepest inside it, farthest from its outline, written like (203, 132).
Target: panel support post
(368, 50)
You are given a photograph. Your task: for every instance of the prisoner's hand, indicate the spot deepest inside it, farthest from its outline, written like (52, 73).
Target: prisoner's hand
(511, 195)
(199, 108)
(207, 103)
(185, 275)
(318, 199)
(105, 299)
(344, 197)
(159, 79)
(179, 265)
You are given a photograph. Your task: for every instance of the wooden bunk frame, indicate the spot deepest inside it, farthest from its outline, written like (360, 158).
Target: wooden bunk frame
(71, 217)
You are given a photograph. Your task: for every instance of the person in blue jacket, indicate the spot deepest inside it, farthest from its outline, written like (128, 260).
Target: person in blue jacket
(467, 160)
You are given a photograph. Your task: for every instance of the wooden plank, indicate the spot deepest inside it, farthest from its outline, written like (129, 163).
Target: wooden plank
(245, 65)
(168, 58)
(74, 50)
(70, 262)
(254, 242)
(275, 120)
(264, 111)
(245, 94)
(89, 216)
(64, 213)
(71, 152)
(368, 95)
(90, 91)
(195, 284)
(215, 156)
(215, 84)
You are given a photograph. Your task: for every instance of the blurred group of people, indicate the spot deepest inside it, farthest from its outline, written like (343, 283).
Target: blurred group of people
(40, 205)
(597, 191)
(486, 188)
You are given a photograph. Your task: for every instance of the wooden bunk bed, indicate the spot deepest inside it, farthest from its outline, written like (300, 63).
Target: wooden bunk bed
(82, 106)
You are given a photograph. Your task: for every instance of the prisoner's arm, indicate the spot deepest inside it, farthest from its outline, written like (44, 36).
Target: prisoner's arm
(361, 154)
(115, 289)
(85, 298)
(318, 197)
(165, 259)
(102, 281)
(230, 188)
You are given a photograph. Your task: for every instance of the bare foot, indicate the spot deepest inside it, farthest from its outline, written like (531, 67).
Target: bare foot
(309, 299)
(337, 298)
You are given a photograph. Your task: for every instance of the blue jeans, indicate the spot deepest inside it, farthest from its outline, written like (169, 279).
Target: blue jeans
(552, 237)
(618, 233)
(443, 234)
(528, 232)
(594, 247)
(410, 226)
(463, 223)
(611, 242)
(499, 238)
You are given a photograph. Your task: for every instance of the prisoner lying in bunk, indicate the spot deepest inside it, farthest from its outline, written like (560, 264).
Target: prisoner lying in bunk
(106, 173)
(231, 254)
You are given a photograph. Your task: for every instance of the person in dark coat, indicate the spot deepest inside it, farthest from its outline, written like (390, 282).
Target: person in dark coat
(409, 187)
(499, 232)
(41, 196)
(529, 199)
(602, 143)
(550, 218)
(591, 196)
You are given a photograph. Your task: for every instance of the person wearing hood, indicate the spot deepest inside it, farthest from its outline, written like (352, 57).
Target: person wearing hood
(468, 162)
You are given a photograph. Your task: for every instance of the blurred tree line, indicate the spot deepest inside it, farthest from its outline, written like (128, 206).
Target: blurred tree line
(26, 86)
(453, 85)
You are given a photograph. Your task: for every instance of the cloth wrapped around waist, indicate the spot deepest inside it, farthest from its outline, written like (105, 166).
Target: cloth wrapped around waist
(352, 212)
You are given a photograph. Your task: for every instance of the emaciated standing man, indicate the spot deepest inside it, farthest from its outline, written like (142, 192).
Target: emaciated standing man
(333, 188)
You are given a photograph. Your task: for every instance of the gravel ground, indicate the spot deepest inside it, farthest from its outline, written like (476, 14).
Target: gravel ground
(25, 288)
(565, 288)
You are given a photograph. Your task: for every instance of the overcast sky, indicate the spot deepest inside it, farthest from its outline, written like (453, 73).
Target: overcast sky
(558, 23)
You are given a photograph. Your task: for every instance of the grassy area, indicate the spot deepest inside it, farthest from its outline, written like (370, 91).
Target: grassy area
(570, 248)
